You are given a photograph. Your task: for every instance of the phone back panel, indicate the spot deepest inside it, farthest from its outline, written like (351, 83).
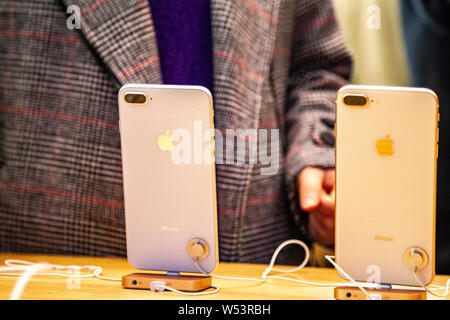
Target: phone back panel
(386, 182)
(167, 203)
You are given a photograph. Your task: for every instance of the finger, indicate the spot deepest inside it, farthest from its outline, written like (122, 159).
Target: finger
(327, 223)
(320, 232)
(329, 180)
(314, 228)
(327, 205)
(310, 188)
(326, 220)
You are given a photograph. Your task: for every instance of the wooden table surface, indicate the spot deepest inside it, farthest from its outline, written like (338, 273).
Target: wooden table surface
(44, 288)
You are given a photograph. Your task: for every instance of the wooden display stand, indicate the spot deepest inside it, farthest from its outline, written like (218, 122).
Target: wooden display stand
(175, 281)
(355, 293)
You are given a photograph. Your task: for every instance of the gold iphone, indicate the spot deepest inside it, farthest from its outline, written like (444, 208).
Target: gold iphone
(386, 158)
(167, 142)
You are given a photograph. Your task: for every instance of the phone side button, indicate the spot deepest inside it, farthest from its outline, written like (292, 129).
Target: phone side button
(437, 135)
(437, 150)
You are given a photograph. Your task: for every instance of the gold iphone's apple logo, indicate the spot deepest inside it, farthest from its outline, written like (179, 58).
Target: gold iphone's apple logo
(165, 142)
(384, 146)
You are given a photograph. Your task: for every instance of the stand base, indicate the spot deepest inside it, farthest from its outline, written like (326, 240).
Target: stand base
(178, 282)
(355, 293)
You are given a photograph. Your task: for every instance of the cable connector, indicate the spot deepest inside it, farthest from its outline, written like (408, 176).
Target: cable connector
(157, 286)
(266, 273)
(374, 296)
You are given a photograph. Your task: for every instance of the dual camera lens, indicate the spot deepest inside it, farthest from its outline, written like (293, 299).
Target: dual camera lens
(135, 98)
(356, 100)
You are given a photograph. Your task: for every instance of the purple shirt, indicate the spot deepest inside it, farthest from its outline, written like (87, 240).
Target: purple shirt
(184, 38)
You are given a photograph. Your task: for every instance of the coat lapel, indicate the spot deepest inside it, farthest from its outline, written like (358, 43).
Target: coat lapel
(122, 34)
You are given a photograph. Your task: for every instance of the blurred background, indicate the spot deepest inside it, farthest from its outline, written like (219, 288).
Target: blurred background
(373, 31)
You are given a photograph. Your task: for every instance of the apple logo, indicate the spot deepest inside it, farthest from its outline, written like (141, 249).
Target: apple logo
(384, 146)
(165, 141)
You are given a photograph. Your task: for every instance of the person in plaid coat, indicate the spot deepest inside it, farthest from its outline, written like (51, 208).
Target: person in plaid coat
(277, 65)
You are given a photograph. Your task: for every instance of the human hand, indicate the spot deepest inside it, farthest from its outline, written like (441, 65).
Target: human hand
(317, 196)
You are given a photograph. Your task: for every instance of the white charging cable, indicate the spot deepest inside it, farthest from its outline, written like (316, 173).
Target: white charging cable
(434, 286)
(30, 269)
(271, 268)
(160, 286)
(26, 270)
(22, 265)
(368, 296)
(25, 277)
(265, 274)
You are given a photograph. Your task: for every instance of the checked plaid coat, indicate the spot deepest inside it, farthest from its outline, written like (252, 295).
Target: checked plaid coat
(277, 64)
